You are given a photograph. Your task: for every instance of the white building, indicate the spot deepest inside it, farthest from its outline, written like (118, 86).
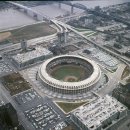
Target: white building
(99, 114)
(31, 57)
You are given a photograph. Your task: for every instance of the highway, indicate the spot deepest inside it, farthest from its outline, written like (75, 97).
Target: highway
(30, 11)
(119, 57)
(71, 17)
(114, 79)
(63, 27)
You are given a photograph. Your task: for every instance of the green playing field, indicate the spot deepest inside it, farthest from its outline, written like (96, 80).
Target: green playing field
(69, 73)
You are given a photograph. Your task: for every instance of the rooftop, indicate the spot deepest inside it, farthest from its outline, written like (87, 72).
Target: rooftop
(26, 56)
(95, 113)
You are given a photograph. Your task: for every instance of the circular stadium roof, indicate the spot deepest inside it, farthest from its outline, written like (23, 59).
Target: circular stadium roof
(49, 80)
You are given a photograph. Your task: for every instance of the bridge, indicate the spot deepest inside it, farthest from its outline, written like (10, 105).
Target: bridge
(30, 12)
(37, 15)
(40, 17)
(75, 5)
(64, 27)
(102, 14)
(71, 17)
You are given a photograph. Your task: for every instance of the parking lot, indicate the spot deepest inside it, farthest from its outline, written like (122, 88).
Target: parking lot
(109, 61)
(41, 112)
(27, 98)
(101, 57)
(42, 116)
(60, 126)
(4, 68)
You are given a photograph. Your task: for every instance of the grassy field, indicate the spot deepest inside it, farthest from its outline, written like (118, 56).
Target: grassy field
(89, 33)
(61, 72)
(29, 32)
(82, 29)
(15, 83)
(70, 127)
(67, 107)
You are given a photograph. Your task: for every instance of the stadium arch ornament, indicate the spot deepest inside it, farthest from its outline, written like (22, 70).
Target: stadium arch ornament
(70, 83)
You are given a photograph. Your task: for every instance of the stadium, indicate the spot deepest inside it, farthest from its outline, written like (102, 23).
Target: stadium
(69, 74)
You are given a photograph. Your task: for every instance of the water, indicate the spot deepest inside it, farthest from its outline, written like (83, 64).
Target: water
(101, 3)
(53, 10)
(10, 18)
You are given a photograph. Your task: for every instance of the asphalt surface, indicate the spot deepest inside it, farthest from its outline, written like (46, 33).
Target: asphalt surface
(114, 79)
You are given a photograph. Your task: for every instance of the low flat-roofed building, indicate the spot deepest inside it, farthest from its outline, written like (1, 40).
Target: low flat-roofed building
(31, 57)
(100, 114)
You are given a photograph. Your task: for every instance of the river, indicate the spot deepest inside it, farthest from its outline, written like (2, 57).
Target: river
(11, 18)
(53, 10)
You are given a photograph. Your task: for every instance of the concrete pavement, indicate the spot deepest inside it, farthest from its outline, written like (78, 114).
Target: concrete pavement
(114, 79)
(21, 116)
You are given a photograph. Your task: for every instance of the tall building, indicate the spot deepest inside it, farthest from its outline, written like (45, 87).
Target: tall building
(62, 37)
(24, 45)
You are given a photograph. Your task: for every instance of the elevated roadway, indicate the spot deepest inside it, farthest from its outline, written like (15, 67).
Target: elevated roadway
(119, 57)
(100, 13)
(29, 43)
(62, 26)
(35, 13)
(76, 5)
(71, 17)
(114, 80)
(30, 11)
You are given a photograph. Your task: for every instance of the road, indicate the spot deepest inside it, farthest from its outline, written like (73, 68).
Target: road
(71, 17)
(114, 79)
(65, 26)
(8, 98)
(29, 42)
(121, 58)
(112, 83)
(45, 98)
